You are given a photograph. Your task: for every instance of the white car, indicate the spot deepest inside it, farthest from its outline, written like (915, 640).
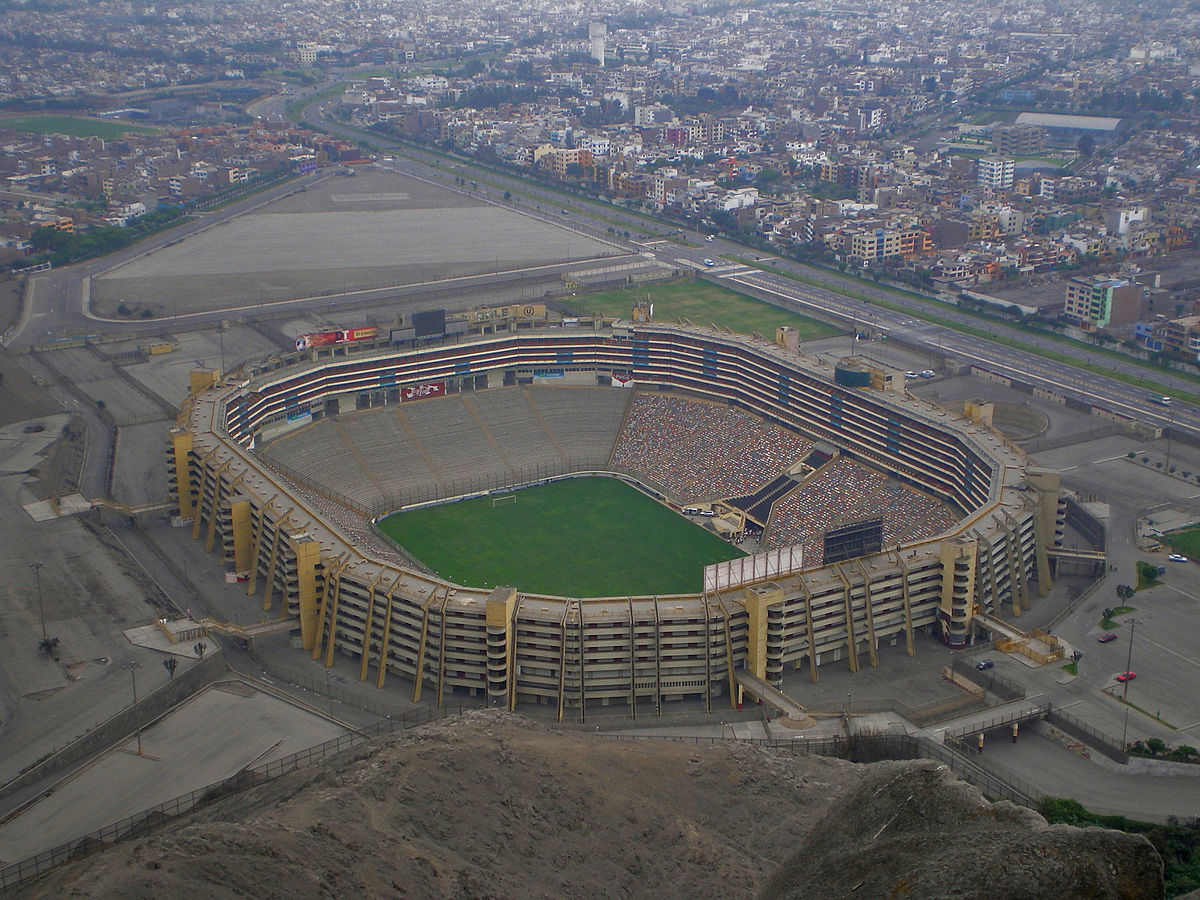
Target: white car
(709, 263)
(1177, 557)
(927, 373)
(910, 374)
(709, 238)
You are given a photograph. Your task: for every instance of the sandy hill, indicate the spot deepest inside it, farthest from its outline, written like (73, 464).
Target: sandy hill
(491, 805)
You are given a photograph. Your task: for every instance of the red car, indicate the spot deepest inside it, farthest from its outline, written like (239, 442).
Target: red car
(1127, 676)
(1106, 637)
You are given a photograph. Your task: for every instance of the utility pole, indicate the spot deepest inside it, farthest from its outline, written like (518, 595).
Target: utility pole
(137, 716)
(1133, 623)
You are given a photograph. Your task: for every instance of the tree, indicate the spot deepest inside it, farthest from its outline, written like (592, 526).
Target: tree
(1087, 145)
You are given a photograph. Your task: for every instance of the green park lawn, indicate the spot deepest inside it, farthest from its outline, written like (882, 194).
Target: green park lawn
(581, 537)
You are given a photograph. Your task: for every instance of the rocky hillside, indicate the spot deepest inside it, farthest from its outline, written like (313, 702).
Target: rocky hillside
(912, 830)
(490, 805)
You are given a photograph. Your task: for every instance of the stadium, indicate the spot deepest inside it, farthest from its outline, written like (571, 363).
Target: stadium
(880, 515)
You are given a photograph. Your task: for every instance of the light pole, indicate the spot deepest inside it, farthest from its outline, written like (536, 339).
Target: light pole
(1133, 623)
(37, 577)
(137, 718)
(1170, 428)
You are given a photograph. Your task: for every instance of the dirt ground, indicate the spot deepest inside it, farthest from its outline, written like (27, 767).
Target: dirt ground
(21, 398)
(10, 303)
(489, 805)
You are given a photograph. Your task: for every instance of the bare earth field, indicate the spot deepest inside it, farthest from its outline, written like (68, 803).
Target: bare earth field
(342, 234)
(490, 805)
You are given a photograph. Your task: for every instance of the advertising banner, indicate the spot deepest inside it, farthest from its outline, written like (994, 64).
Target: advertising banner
(421, 391)
(318, 339)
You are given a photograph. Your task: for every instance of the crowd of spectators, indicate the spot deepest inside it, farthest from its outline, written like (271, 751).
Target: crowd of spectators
(844, 491)
(698, 451)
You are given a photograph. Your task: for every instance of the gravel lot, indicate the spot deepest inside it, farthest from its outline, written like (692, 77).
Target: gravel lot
(374, 230)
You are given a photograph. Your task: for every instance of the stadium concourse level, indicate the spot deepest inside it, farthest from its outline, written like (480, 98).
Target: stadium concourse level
(492, 417)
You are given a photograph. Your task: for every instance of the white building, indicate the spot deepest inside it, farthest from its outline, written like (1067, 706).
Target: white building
(996, 173)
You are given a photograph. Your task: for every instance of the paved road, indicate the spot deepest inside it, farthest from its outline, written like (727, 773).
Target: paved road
(1061, 772)
(942, 342)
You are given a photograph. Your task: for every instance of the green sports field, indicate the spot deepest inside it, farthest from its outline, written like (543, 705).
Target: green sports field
(75, 126)
(582, 537)
(702, 303)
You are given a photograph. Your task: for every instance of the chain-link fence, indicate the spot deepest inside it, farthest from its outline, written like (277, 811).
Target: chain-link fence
(1098, 740)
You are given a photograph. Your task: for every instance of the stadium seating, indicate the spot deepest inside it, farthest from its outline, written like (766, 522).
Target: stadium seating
(446, 446)
(692, 449)
(696, 450)
(846, 490)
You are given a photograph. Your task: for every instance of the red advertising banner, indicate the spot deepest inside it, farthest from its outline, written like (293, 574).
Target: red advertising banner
(421, 391)
(319, 339)
(360, 334)
(345, 336)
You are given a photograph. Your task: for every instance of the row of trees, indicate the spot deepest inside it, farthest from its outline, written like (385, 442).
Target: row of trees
(61, 247)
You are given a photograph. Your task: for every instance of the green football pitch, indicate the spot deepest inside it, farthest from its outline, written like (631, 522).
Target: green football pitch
(581, 537)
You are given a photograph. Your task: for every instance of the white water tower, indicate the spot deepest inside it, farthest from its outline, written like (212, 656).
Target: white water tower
(598, 35)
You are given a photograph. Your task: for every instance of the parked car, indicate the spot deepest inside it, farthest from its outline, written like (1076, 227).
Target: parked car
(1106, 637)
(984, 664)
(710, 263)
(910, 374)
(927, 373)
(1127, 676)
(1177, 557)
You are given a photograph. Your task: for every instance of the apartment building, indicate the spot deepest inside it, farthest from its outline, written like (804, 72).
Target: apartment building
(996, 172)
(1094, 302)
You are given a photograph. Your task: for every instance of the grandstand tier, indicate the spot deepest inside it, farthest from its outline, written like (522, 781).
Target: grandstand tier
(303, 543)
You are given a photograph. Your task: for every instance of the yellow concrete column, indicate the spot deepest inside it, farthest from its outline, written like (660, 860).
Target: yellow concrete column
(757, 600)
(501, 640)
(243, 534)
(308, 559)
(181, 450)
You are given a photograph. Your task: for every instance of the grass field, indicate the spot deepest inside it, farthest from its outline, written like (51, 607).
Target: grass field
(702, 304)
(75, 126)
(582, 537)
(1186, 541)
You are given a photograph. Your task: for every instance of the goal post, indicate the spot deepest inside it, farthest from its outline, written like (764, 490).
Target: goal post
(501, 499)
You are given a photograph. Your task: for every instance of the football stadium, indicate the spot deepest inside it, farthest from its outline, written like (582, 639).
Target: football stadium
(854, 515)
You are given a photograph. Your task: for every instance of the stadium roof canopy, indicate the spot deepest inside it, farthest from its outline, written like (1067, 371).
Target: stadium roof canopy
(1079, 123)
